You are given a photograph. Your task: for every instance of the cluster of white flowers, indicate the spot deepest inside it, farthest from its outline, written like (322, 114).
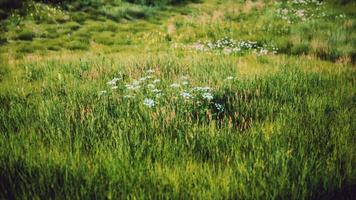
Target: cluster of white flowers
(113, 81)
(307, 2)
(148, 86)
(133, 86)
(342, 16)
(186, 95)
(229, 46)
(208, 96)
(219, 107)
(202, 89)
(149, 102)
(299, 10)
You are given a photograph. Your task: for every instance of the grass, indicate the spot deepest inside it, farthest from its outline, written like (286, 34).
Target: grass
(168, 106)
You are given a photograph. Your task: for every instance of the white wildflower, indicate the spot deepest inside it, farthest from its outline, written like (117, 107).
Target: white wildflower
(208, 96)
(149, 77)
(102, 92)
(150, 71)
(219, 107)
(132, 87)
(156, 91)
(113, 81)
(186, 95)
(156, 81)
(202, 89)
(149, 102)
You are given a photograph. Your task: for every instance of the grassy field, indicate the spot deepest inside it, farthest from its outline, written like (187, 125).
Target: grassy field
(213, 99)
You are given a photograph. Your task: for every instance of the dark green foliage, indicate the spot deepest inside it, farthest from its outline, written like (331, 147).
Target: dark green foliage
(3, 40)
(25, 35)
(77, 45)
(7, 4)
(300, 49)
(161, 2)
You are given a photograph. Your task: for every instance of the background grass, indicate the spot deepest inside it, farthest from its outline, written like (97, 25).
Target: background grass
(286, 130)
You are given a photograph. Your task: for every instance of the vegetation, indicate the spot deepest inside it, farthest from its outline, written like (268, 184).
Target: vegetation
(154, 99)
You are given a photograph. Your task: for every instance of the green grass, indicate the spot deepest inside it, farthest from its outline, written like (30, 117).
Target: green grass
(277, 126)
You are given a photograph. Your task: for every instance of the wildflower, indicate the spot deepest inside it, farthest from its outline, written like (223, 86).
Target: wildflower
(186, 95)
(236, 49)
(114, 87)
(156, 81)
(202, 89)
(156, 91)
(113, 81)
(149, 102)
(185, 83)
(229, 78)
(175, 85)
(150, 71)
(219, 107)
(128, 96)
(208, 96)
(132, 87)
(142, 79)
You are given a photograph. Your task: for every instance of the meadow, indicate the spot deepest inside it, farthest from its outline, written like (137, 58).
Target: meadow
(210, 99)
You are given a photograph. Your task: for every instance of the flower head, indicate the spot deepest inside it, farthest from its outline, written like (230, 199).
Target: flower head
(156, 90)
(202, 89)
(149, 102)
(186, 95)
(208, 96)
(113, 81)
(102, 92)
(150, 71)
(219, 107)
(132, 87)
(156, 81)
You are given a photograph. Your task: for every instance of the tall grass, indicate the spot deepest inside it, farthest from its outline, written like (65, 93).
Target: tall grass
(285, 135)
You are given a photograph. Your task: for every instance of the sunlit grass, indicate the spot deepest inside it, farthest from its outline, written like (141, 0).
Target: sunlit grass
(220, 99)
